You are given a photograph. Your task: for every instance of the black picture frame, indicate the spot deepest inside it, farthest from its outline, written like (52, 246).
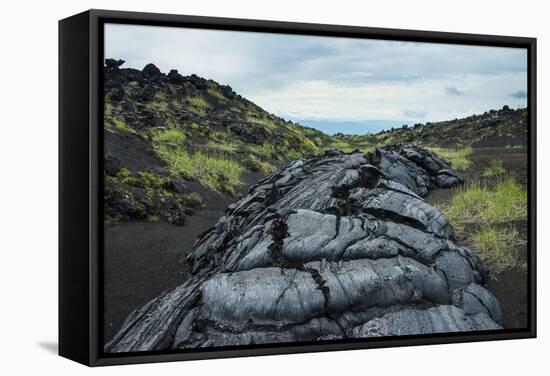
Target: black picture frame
(80, 183)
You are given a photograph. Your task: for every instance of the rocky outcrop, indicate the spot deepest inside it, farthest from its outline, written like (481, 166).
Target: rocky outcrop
(333, 246)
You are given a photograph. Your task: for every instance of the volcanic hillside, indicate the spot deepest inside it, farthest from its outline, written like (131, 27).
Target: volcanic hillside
(169, 138)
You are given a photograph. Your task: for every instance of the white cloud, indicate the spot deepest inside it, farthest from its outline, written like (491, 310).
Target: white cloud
(334, 78)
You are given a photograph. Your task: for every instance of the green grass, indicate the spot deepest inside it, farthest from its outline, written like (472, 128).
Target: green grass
(174, 135)
(224, 145)
(457, 157)
(223, 175)
(349, 146)
(342, 145)
(489, 213)
(253, 117)
(496, 168)
(498, 247)
(453, 153)
(199, 105)
(476, 203)
(461, 164)
(199, 102)
(213, 91)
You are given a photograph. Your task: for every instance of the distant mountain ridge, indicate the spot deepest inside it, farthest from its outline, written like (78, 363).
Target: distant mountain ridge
(495, 128)
(356, 127)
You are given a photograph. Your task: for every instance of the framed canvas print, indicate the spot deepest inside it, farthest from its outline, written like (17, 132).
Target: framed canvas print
(236, 187)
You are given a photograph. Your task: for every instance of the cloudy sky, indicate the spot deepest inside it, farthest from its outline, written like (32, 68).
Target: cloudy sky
(327, 80)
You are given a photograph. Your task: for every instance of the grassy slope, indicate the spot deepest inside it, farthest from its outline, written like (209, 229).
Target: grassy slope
(206, 132)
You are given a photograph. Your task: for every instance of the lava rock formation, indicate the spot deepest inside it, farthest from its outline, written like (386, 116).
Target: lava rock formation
(330, 247)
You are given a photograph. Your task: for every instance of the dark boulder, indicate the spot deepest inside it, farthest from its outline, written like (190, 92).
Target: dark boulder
(330, 247)
(128, 107)
(117, 92)
(148, 92)
(176, 184)
(112, 63)
(129, 75)
(151, 70)
(172, 210)
(177, 217)
(183, 115)
(120, 204)
(248, 134)
(146, 118)
(199, 82)
(111, 164)
(228, 91)
(174, 77)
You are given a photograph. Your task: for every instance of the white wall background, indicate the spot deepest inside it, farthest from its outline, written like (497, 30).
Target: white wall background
(28, 185)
